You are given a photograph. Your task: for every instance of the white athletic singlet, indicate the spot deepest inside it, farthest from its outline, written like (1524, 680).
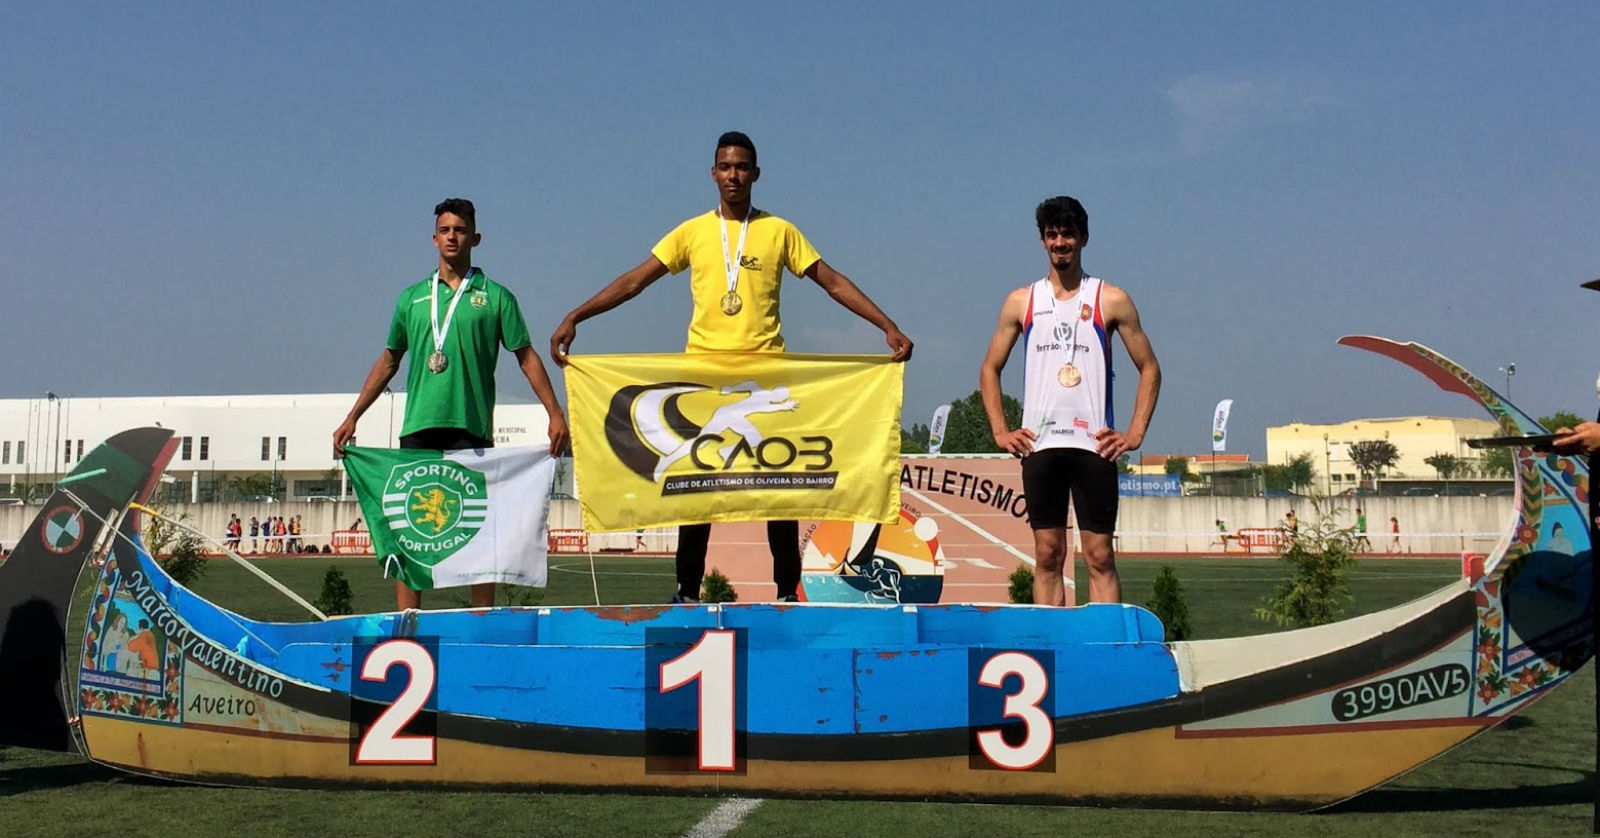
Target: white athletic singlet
(1055, 334)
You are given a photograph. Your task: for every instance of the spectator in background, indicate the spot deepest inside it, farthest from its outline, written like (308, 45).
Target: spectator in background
(1361, 530)
(1222, 534)
(255, 530)
(235, 530)
(1394, 534)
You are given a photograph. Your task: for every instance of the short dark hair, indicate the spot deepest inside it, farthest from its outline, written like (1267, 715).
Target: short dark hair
(737, 139)
(457, 206)
(1062, 212)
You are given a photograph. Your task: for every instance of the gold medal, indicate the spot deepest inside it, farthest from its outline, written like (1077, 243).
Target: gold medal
(437, 362)
(1069, 376)
(731, 304)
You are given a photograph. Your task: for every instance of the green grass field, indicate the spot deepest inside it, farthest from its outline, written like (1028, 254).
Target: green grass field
(1531, 776)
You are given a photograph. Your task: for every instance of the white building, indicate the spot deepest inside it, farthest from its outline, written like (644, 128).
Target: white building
(221, 439)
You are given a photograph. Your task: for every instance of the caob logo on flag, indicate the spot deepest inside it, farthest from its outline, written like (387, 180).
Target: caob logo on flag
(671, 439)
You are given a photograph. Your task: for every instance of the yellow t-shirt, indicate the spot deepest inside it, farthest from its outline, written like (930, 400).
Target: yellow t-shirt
(771, 244)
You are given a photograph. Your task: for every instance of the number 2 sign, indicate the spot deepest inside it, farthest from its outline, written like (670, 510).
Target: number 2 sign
(395, 681)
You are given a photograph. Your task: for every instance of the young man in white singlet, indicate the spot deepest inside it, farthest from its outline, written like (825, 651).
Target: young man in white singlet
(1068, 442)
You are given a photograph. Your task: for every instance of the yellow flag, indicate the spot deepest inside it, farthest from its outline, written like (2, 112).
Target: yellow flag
(734, 436)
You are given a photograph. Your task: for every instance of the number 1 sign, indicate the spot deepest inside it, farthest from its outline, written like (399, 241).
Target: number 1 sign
(694, 700)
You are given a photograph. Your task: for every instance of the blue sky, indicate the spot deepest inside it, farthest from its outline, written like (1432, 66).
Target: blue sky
(225, 198)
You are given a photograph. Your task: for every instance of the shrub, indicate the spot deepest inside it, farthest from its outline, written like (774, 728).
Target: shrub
(335, 597)
(1315, 592)
(1022, 585)
(717, 588)
(1167, 603)
(183, 563)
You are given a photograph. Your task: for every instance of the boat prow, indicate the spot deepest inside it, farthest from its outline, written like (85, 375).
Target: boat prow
(991, 702)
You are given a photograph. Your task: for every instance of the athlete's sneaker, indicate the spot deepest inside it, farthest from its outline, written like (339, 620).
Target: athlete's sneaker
(789, 598)
(682, 600)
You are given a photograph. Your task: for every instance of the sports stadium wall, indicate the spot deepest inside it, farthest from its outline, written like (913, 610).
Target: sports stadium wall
(1428, 525)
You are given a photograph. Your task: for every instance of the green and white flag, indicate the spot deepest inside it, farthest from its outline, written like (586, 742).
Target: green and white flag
(442, 519)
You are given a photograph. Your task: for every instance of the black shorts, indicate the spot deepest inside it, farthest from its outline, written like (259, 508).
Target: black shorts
(1051, 476)
(443, 439)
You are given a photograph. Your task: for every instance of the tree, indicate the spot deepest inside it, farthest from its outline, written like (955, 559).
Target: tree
(1561, 419)
(1315, 592)
(1295, 474)
(1448, 465)
(1020, 585)
(335, 597)
(967, 429)
(259, 483)
(1300, 471)
(1125, 464)
(1496, 462)
(1178, 466)
(1167, 602)
(184, 562)
(1372, 456)
(915, 440)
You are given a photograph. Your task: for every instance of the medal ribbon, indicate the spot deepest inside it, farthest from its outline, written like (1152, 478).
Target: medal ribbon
(450, 314)
(732, 268)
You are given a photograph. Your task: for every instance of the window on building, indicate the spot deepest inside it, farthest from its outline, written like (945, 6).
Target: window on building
(283, 448)
(187, 449)
(266, 448)
(22, 450)
(80, 449)
(66, 451)
(205, 448)
(5, 458)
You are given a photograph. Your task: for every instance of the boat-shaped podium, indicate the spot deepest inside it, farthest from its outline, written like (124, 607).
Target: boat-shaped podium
(991, 702)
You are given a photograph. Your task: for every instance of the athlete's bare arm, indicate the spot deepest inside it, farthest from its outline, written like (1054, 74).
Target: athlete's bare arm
(378, 378)
(1020, 441)
(621, 290)
(539, 380)
(845, 292)
(1124, 317)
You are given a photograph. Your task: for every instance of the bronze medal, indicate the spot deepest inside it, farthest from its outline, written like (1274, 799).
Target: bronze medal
(1069, 376)
(731, 304)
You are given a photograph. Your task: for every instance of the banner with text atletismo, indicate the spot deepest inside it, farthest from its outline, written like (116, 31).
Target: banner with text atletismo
(724, 436)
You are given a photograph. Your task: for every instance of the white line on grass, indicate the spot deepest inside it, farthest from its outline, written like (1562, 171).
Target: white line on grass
(723, 819)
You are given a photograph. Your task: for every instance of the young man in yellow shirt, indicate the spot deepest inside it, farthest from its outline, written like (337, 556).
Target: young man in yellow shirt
(735, 291)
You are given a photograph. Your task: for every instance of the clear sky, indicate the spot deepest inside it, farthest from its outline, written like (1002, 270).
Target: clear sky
(210, 198)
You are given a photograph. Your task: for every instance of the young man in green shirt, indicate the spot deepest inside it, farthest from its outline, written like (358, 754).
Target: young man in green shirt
(454, 323)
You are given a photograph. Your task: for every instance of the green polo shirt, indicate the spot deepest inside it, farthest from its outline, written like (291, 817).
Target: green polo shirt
(462, 396)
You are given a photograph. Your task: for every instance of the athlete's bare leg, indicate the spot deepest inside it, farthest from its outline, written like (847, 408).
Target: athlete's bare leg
(1052, 550)
(1104, 583)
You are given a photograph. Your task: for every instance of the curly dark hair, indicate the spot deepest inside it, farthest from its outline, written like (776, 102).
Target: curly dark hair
(1062, 212)
(458, 206)
(736, 139)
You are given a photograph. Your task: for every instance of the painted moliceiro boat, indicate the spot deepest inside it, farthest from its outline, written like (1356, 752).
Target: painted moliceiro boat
(963, 701)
